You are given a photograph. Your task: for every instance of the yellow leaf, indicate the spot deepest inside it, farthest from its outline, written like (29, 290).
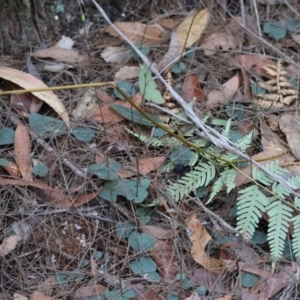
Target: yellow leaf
(27, 81)
(192, 27)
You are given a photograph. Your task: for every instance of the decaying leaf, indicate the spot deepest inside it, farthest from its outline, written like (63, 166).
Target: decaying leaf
(114, 54)
(25, 103)
(191, 89)
(168, 23)
(127, 72)
(290, 125)
(223, 96)
(60, 54)
(192, 27)
(28, 81)
(90, 292)
(199, 238)
(22, 150)
(137, 32)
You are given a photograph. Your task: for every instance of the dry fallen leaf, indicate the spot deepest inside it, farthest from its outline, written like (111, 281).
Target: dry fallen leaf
(60, 54)
(168, 23)
(19, 297)
(13, 170)
(114, 54)
(25, 103)
(28, 81)
(9, 244)
(194, 296)
(290, 125)
(22, 150)
(192, 27)
(223, 96)
(127, 72)
(90, 292)
(137, 32)
(192, 89)
(199, 238)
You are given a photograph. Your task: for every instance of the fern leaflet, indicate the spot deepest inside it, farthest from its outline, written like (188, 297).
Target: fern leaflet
(251, 203)
(200, 176)
(245, 142)
(280, 215)
(296, 236)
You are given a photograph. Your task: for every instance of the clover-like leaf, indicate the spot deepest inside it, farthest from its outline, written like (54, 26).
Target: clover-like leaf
(6, 136)
(84, 134)
(123, 230)
(275, 30)
(105, 170)
(141, 241)
(127, 88)
(145, 267)
(40, 170)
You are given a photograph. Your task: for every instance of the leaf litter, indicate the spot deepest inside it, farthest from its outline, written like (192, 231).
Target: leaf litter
(74, 214)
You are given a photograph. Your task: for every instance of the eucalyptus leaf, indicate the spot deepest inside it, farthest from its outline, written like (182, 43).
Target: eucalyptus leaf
(40, 170)
(133, 115)
(141, 241)
(127, 88)
(84, 134)
(7, 136)
(148, 87)
(46, 127)
(275, 30)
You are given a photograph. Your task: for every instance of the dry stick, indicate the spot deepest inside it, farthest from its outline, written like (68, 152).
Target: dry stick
(215, 137)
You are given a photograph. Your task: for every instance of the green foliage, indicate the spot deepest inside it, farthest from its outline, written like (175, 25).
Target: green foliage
(275, 30)
(148, 87)
(141, 241)
(97, 255)
(133, 115)
(123, 230)
(127, 88)
(251, 203)
(129, 188)
(200, 176)
(235, 110)
(249, 280)
(201, 290)
(131, 54)
(280, 215)
(40, 170)
(105, 170)
(180, 155)
(245, 142)
(7, 136)
(143, 215)
(146, 268)
(84, 134)
(178, 68)
(118, 295)
(293, 26)
(46, 127)
(3, 162)
(259, 238)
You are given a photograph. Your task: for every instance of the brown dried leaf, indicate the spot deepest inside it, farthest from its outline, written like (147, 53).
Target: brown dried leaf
(223, 96)
(137, 32)
(25, 104)
(194, 296)
(192, 89)
(199, 238)
(22, 151)
(9, 244)
(38, 296)
(192, 27)
(13, 170)
(60, 54)
(114, 54)
(168, 23)
(127, 72)
(28, 81)
(84, 199)
(90, 292)
(290, 125)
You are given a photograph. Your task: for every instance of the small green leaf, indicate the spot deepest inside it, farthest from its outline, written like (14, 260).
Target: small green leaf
(293, 26)
(275, 30)
(178, 68)
(7, 136)
(158, 132)
(129, 294)
(133, 115)
(127, 88)
(46, 127)
(257, 89)
(123, 230)
(235, 135)
(143, 215)
(148, 87)
(201, 191)
(235, 110)
(97, 255)
(132, 54)
(180, 155)
(83, 134)
(84, 263)
(172, 297)
(190, 54)
(145, 267)
(249, 280)
(201, 290)
(40, 170)
(259, 238)
(141, 241)
(180, 276)
(62, 278)
(104, 170)
(3, 162)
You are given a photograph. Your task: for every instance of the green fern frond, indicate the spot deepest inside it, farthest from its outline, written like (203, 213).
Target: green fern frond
(226, 130)
(279, 190)
(229, 156)
(297, 202)
(200, 176)
(295, 180)
(251, 203)
(296, 236)
(245, 142)
(226, 178)
(168, 167)
(193, 160)
(280, 215)
(200, 142)
(188, 133)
